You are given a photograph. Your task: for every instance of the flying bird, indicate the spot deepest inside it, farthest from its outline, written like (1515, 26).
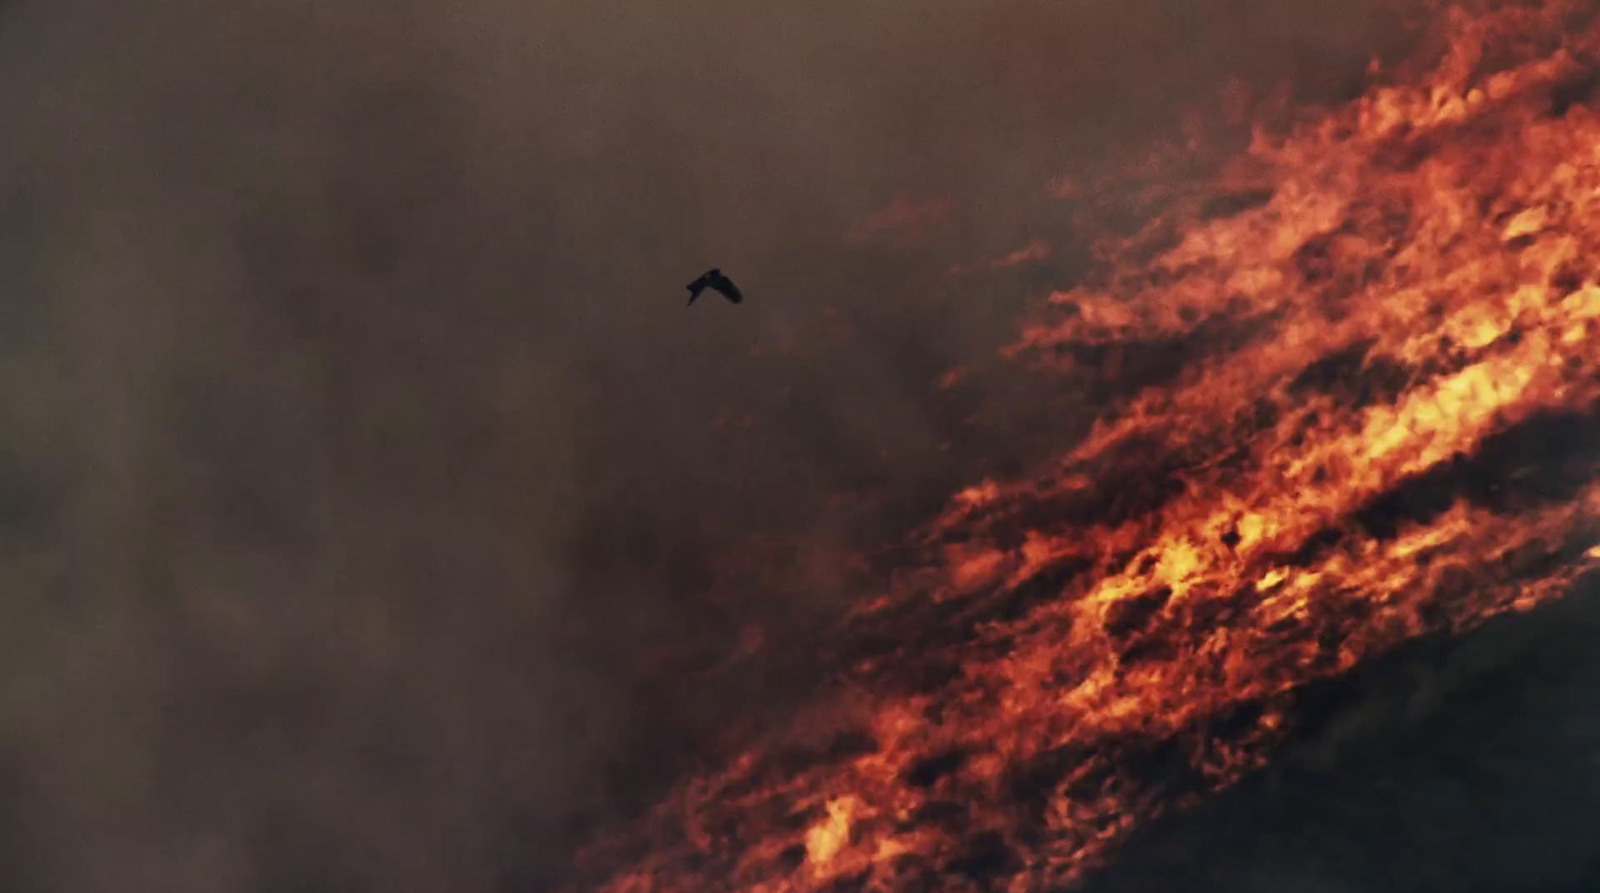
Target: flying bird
(714, 280)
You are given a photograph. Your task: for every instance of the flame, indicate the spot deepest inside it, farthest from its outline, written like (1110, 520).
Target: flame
(1385, 428)
(826, 838)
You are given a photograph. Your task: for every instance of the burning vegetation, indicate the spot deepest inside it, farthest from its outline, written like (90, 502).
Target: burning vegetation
(1385, 425)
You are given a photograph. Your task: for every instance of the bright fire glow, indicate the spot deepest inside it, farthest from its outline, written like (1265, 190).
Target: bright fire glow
(1390, 426)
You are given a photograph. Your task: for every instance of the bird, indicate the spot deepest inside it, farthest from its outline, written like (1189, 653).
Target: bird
(714, 280)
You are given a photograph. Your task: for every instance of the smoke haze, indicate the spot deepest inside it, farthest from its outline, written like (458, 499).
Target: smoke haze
(360, 461)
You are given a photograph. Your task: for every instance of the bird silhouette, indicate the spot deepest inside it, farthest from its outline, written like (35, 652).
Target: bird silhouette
(714, 280)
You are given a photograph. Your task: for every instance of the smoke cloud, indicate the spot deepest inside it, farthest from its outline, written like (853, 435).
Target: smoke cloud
(360, 462)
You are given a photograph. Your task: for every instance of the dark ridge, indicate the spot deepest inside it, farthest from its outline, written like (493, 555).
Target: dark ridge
(1235, 203)
(1575, 90)
(1453, 763)
(926, 772)
(1313, 708)
(1544, 460)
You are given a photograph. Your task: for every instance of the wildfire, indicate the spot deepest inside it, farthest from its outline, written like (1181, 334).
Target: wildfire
(1386, 427)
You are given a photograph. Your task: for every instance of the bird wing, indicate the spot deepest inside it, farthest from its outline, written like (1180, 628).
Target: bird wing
(727, 289)
(695, 288)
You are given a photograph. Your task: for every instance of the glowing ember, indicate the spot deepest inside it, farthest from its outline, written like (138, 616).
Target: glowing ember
(1385, 428)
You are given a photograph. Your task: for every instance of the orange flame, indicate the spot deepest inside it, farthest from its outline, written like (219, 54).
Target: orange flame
(1384, 427)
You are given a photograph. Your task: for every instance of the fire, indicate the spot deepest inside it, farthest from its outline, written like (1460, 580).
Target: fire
(825, 839)
(1386, 428)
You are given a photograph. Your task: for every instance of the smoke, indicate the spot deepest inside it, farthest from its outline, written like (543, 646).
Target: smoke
(359, 456)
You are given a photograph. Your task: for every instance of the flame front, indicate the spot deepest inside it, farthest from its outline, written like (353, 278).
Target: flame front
(1390, 426)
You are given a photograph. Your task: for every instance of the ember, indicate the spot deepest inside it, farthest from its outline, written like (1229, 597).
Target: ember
(1386, 431)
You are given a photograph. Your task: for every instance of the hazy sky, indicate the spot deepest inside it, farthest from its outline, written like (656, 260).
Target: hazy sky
(359, 452)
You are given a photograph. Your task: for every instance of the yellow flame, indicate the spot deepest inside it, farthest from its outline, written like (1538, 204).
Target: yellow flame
(828, 837)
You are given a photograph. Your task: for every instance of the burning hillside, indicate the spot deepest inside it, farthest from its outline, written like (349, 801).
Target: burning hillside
(1386, 428)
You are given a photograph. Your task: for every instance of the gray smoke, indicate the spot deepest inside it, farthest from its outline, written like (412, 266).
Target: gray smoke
(357, 446)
